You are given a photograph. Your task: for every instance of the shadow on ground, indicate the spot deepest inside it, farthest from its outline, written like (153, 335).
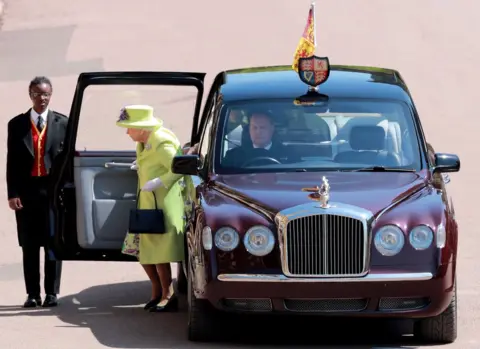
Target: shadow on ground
(115, 315)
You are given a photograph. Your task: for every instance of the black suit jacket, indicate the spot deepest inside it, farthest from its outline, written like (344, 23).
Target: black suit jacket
(20, 149)
(238, 156)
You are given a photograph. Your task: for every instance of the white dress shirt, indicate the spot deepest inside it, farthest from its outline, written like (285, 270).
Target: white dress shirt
(34, 116)
(267, 147)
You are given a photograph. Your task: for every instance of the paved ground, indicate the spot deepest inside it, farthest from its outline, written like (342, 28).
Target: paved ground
(432, 42)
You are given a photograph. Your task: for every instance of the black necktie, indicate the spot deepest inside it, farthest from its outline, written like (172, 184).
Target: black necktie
(40, 124)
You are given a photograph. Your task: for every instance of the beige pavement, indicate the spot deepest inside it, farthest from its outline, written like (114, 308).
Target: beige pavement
(432, 42)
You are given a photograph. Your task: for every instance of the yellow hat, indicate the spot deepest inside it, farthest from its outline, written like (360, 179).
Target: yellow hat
(138, 116)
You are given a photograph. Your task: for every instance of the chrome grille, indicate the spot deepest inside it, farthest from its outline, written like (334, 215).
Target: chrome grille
(325, 245)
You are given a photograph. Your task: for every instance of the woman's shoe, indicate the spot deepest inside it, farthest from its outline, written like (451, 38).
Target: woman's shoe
(166, 305)
(152, 303)
(170, 303)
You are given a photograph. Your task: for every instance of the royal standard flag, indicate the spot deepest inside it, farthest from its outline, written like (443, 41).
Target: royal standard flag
(306, 45)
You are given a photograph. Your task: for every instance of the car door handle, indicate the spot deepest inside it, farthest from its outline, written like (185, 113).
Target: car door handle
(118, 165)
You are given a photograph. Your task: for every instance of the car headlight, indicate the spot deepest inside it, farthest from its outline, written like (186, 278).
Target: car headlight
(259, 240)
(389, 240)
(421, 237)
(207, 238)
(226, 239)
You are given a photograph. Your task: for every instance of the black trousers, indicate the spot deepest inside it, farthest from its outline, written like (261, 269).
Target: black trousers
(33, 224)
(31, 271)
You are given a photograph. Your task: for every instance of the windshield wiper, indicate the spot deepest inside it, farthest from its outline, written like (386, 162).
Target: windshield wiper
(379, 169)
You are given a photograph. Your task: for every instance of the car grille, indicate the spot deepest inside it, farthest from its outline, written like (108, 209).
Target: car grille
(325, 245)
(326, 305)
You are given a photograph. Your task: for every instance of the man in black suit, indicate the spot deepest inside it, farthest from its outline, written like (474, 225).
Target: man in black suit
(261, 129)
(35, 138)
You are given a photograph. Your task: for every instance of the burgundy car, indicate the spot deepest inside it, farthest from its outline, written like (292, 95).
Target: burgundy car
(351, 217)
(306, 199)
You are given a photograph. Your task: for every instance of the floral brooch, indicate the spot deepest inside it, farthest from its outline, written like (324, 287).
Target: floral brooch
(123, 115)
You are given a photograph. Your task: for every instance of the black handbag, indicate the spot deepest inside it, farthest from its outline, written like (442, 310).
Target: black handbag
(146, 221)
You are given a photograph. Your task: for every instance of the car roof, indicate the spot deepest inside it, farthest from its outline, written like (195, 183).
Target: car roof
(343, 82)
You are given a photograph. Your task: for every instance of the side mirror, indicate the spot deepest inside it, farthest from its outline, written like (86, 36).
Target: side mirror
(446, 163)
(186, 164)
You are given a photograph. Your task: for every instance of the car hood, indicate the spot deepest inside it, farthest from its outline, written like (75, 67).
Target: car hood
(277, 191)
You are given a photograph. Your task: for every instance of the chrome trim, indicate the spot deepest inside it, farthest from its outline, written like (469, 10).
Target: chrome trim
(311, 209)
(395, 203)
(232, 194)
(391, 277)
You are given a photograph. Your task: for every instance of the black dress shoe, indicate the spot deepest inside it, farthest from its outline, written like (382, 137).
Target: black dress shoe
(50, 301)
(166, 306)
(152, 303)
(32, 302)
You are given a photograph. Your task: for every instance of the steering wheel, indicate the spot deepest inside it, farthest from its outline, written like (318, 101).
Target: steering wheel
(258, 158)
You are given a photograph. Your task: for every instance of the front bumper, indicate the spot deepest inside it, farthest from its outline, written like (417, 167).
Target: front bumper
(392, 294)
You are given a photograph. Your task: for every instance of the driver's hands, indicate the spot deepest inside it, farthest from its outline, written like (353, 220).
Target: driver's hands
(15, 204)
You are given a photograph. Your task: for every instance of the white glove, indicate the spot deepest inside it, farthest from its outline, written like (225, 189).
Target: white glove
(152, 184)
(134, 166)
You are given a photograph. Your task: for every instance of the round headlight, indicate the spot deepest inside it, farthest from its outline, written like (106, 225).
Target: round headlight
(389, 240)
(207, 238)
(259, 241)
(421, 237)
(226, 239)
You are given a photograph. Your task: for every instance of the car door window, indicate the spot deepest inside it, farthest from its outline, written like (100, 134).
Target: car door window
(106, 194)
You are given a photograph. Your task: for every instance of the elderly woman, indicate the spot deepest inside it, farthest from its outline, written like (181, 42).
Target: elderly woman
(156, 147)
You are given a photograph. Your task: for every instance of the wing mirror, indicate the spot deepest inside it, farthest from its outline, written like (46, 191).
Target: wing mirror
(186, 164)
(446, 163)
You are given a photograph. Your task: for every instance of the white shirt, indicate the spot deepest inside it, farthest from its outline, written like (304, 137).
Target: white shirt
(34, 116)
(267, 147)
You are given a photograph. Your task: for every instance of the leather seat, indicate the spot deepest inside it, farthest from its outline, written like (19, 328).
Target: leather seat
(368, 145)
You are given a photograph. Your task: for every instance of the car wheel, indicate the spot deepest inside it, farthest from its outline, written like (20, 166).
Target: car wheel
(441, 328)
(201, 316)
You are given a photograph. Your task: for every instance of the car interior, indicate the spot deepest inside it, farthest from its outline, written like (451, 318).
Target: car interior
(339, 137)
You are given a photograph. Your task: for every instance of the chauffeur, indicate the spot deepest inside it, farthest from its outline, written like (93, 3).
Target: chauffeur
(34, 140)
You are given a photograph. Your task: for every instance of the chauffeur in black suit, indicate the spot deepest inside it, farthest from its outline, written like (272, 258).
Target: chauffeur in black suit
(261, 129)
(34, 140)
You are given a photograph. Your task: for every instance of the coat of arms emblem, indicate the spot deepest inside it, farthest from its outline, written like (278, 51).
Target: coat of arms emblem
(313, 70)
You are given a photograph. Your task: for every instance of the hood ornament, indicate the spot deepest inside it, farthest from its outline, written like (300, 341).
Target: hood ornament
(320, 194)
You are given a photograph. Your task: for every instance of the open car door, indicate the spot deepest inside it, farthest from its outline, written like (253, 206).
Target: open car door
(93, 191)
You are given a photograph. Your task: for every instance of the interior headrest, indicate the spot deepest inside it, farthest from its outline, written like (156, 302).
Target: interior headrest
(367, 138)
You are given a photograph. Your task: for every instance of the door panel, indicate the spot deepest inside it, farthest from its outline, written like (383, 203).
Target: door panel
(104, 198)
(90, 202)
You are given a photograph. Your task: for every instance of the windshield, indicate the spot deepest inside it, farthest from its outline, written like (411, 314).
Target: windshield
(334, 135)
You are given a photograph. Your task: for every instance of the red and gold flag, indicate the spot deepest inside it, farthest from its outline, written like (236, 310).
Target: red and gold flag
(306, 45)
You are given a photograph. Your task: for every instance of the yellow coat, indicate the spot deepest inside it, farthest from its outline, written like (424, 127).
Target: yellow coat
(154, 160)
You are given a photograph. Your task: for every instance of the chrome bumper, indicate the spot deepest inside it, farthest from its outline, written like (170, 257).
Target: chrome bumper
(391, 277)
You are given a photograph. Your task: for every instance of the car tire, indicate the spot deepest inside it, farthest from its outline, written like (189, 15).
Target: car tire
(441, 328)
(201, 316)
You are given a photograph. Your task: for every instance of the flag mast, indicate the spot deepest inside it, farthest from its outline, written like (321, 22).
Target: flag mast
(314, 24)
